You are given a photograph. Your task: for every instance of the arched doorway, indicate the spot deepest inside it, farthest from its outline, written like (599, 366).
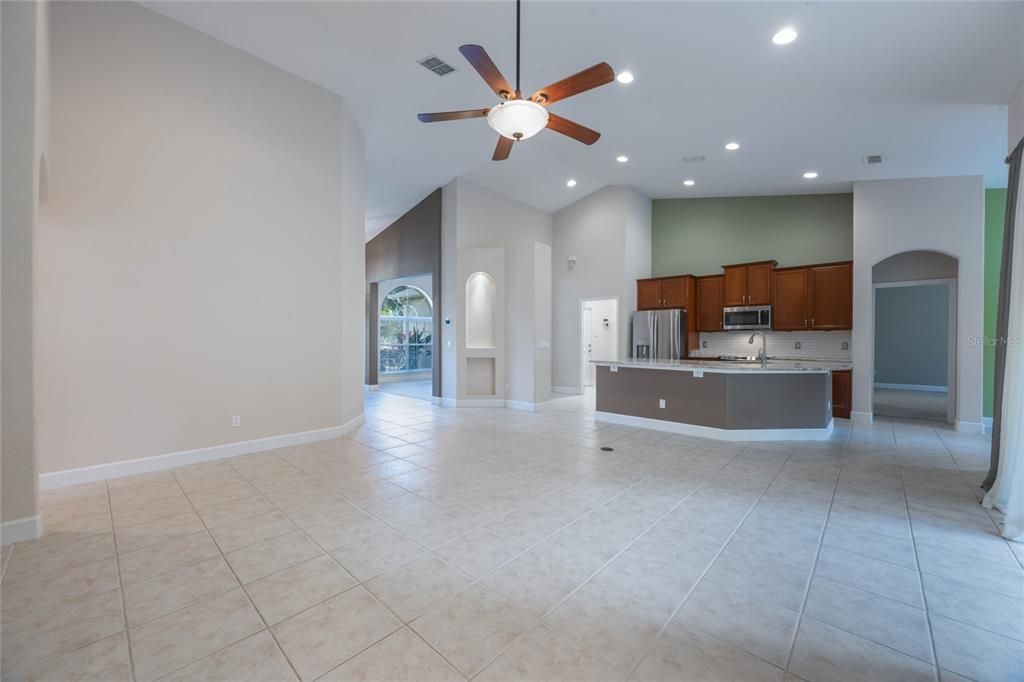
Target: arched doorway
(915, 310)
(405, 341)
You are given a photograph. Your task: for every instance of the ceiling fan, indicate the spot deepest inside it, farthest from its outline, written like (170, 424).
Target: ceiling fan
(515, 118)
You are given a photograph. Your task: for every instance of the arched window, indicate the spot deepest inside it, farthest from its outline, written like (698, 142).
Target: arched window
(406, 331)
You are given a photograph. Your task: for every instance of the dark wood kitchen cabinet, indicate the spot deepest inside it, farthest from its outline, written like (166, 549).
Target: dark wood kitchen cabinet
(675, 292)
(709, 303)
(842, 393)
(831, 296)
(648, 294)
(789, 309)
(818, 297)
(747, 283)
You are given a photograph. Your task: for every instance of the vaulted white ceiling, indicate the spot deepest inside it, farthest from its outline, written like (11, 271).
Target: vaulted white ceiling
(925, 84)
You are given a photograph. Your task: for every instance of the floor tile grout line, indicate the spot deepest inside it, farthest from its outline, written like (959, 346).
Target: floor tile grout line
(120, 584)
(541, 619)
(814, 564)
(689, 593)
(359, 583)
(252, 604)
(920, 578)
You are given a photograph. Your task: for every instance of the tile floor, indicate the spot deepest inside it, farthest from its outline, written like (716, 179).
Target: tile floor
(906, 404)
(438, 544)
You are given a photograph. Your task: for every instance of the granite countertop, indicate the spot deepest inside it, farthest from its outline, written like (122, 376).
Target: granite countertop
(775, 365)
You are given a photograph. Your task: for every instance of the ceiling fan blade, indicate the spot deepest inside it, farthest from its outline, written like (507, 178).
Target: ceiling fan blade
(501, 151)
(452, 115)
(481, 61)
(572, 129)
(587, 79)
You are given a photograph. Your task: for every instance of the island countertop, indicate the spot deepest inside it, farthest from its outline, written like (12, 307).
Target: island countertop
(780, 366)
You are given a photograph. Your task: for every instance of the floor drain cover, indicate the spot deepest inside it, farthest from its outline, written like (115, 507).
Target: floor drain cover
(607, 449)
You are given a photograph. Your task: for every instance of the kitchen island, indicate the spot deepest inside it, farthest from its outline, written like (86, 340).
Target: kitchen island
(784, 400)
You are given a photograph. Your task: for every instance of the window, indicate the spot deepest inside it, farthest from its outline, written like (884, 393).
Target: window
(406, 324)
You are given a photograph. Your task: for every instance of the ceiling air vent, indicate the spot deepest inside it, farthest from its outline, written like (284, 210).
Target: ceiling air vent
(694, 159)
(436, 65)
(873, 159)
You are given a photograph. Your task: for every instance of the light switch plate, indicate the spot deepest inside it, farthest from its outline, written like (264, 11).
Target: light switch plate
(796, 345)
(613, 368)
(698, 374)
(661, 403)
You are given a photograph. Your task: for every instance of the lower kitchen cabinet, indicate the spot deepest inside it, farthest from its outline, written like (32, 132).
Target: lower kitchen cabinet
(842, 393)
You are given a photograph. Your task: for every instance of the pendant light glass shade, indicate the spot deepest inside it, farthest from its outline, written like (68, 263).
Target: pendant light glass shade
(517, 119)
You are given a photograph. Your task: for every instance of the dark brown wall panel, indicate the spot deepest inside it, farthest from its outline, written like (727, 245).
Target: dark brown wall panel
(409, 246)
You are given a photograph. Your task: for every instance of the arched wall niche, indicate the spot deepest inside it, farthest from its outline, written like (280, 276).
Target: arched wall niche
(481, 299)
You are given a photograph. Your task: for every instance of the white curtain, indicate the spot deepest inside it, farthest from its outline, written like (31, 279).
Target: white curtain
(1007, 492)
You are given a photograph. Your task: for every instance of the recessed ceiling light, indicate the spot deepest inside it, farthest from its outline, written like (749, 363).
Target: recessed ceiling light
(570, 183)
(732, 146)
(785, 36)
(810, 175)
(689, 183)
(625, 77)
(622, 158)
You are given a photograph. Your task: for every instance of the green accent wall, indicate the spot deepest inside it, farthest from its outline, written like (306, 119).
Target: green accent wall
(995, 214)
(698, 236)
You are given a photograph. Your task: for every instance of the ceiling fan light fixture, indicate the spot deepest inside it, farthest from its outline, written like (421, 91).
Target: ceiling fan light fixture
(517, 119)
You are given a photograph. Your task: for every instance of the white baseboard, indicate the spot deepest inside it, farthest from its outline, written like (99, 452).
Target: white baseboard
(21, 530)
(986, 424)
(479, 402)
(716, 433)
(862, 417)
(371, 387)
(566, 390)
(914, 387)
(527, 406)
(171, 460)
(970, 427)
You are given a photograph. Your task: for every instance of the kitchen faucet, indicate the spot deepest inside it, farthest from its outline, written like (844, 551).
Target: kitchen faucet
(763, 355)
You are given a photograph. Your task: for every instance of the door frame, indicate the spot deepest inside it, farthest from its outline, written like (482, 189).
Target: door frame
(581, 357)
(951, 285)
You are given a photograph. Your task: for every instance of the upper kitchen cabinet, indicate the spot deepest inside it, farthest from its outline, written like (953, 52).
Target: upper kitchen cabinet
(709, 303)
(648, 294)
(665, 292)
(789, 310)
(748, 283)
(814, 297)
(831, 296)
(675, 292)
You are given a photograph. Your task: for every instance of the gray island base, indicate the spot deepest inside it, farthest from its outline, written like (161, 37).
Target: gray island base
(729, 401)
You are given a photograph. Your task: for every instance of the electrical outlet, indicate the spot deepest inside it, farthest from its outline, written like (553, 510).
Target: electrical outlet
(846, 345)
(703, 344)
(796, 345)
(236, 420)
(661, 403)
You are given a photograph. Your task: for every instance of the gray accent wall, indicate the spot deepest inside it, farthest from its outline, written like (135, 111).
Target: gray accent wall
(912, 335)
(409, 246)
(698, 236)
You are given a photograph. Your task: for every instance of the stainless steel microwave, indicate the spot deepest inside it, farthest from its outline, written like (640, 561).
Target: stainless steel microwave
(747, 317)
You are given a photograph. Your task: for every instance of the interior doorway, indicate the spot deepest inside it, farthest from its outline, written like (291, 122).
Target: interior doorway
(915, 337)
(599, 335)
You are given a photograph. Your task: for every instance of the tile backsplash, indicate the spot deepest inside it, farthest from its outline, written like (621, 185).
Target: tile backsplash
(813, 345)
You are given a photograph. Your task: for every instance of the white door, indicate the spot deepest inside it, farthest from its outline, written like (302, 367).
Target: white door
(588, 347)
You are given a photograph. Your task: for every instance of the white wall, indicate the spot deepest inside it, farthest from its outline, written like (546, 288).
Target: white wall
(1016, 117)
(609, 233)
(475, 217)
(202, 252)
(939, 214)
(25, 144)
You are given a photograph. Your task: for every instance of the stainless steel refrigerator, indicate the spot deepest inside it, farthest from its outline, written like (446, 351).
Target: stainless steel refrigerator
(659, 334)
